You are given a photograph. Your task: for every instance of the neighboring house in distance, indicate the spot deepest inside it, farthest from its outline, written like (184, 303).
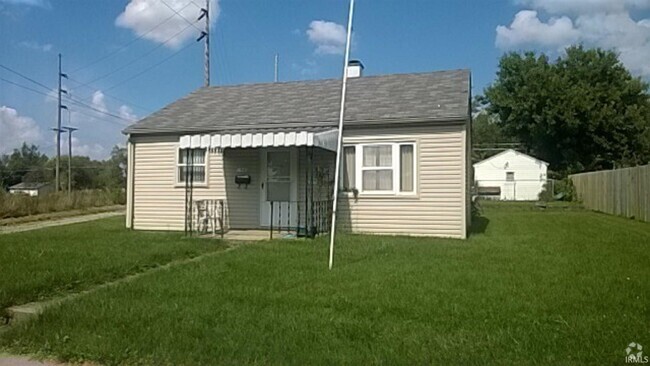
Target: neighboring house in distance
(32, 189)
(266, 154)
(511, 176)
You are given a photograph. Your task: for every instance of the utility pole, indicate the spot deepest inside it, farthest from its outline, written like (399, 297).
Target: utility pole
(277, 57)
(58, 132)
(205, 13)
(70, 131)
(58, 127)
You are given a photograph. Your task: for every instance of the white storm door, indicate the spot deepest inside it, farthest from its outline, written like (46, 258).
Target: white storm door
(278, 183)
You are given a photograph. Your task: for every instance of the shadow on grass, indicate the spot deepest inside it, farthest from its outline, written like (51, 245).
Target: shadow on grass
(479, 225)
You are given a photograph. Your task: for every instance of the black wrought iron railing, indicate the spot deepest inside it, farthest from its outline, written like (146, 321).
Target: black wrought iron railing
(206, 216)
(300, 218)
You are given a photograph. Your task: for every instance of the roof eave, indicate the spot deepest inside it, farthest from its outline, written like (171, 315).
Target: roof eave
(134, 130)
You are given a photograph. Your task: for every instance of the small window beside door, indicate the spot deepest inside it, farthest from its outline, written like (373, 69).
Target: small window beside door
(510, 176)
(191, 164)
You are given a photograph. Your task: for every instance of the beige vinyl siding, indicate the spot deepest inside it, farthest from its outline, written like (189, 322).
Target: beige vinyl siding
(439, 206)
(158, 202)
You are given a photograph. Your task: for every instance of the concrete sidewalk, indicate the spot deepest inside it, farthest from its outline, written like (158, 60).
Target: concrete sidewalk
(57, 222)
(6, 360)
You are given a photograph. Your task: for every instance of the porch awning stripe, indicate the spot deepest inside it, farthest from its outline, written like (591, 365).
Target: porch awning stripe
(325, 140)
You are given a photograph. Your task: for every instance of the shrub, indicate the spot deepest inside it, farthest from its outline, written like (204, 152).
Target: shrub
(558, 190)
(548, 192)
(18, 205)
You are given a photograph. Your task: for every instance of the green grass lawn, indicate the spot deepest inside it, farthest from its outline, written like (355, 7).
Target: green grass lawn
(535, 287)
(46, 262)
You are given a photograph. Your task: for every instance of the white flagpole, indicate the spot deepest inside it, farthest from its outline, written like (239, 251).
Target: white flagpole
(340, 137)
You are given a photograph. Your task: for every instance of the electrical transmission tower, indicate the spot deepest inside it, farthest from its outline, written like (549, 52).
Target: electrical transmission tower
(58, 127)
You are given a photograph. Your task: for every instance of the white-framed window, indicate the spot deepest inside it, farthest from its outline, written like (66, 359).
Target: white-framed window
(380, 168)
(191, 163)
(510, 176)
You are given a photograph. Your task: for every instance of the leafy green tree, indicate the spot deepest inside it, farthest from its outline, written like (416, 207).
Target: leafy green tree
(116, 168)
(4, 172)
(488, 137)
(86, 173)
(25, 164)
(584, 111)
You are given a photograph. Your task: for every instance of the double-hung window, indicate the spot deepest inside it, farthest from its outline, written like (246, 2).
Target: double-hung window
(379, 168)
(191, 164)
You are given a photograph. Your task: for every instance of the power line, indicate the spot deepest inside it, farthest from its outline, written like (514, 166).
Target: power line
(82, 104)
(133, 77)
(79, 84)
(126, 45)
(134, 60)
(181, 15)
(101, 119)
(53, 97)
(27, 88)
(27, 78)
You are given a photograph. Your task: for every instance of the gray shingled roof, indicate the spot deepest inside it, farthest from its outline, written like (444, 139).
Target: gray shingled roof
(436, 96)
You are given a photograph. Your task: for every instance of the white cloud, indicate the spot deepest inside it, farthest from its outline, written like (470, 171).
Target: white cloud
(527, 29)
(597, 23)
(329, 37)
(144, 17)
(98, 101)
(16, 129)
(95, 150)
(575, 7)
(620, 32)
(127, 113)
(36, 46)
(37, 3)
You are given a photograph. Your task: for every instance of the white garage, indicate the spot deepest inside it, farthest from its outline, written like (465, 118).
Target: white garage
(511, 176)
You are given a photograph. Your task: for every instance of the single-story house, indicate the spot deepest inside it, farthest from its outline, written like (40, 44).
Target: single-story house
(262, 156)
(511, 176)
(32, 189)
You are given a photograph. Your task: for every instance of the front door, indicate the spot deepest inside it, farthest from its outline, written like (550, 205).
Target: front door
(278, 183)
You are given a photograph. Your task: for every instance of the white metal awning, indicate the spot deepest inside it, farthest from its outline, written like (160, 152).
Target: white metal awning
(325, 140)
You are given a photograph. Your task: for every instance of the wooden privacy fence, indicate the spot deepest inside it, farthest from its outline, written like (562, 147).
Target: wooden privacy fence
(624, 192)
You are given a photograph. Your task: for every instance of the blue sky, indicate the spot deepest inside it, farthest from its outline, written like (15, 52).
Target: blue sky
(390, 36)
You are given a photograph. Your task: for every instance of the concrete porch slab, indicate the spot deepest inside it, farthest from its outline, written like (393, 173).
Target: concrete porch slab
(256, 235)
